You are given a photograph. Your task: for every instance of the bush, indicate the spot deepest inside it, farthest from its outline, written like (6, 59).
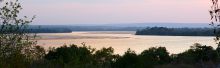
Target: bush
(154, 56)
(73, 56)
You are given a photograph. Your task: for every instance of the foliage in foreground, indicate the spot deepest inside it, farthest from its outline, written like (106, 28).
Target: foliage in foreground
(17, 47)
(73, 56)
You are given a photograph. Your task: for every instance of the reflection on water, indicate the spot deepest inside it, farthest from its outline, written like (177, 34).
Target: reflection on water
(122, 40)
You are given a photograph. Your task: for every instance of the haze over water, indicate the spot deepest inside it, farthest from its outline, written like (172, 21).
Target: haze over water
(122, 40)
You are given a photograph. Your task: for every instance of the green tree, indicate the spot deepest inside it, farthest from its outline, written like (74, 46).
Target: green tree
(215, 20)
(198, 54)
(128, 60)
(17, 46)
(72, 56)
(154, 56)
(105, 57)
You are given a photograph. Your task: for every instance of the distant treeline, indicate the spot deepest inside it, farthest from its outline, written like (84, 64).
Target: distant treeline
(68, 29)
(49, 30)
(176, 31)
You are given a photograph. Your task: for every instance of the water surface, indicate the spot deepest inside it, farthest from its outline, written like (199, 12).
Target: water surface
(122, 40)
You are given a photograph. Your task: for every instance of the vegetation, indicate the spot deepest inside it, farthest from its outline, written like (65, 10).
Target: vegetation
(49, 30)
(73, 56)
(68, 29)
(17, 47)
(176, 31)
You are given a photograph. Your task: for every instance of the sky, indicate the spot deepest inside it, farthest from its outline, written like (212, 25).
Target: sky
(67, 12)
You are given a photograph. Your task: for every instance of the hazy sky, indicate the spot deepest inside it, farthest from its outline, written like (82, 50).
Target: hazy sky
(117, 11)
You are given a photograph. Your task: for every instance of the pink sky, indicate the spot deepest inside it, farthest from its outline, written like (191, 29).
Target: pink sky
(117, 11)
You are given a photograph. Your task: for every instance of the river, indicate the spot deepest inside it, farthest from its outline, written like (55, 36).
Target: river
(122, 40)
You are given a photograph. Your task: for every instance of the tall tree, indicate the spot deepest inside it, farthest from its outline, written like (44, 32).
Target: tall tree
(17, 46)
(215, 20)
